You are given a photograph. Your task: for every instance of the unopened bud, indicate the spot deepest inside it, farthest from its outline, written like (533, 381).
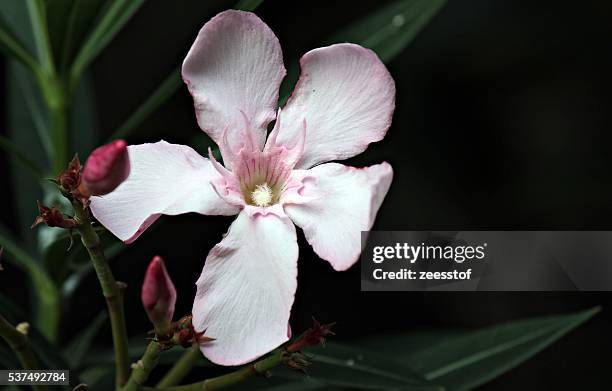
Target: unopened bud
(53, 217)
(106, 168)
(70, 178)
(158, 295)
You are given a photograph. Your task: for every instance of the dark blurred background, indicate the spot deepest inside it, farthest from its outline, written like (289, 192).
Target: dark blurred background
(502, 122)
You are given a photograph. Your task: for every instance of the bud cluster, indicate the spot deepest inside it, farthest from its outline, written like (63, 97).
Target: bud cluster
(106, 168)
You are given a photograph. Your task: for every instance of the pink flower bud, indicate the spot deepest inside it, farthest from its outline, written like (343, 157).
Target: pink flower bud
(106, 168)
(158, 294)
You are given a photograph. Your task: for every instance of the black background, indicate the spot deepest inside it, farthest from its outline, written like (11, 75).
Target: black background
(502, 122)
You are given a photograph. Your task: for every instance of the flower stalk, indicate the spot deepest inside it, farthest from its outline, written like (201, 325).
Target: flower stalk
(18, 342)
(181, 368)
(289, 355)
(112, 290)
(260, 367)
(143, 367)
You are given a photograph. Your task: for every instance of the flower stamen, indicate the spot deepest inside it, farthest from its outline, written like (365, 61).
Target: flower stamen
(262, 195)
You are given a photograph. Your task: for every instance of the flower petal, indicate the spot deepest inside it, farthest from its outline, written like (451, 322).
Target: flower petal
(347, 97)
(165, 179)
(235, 65)
(246, 289)
(334, 204)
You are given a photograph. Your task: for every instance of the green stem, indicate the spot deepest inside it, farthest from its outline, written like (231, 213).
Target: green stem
(19, 343)
(143, 368)
(110, 288)
(181, 368)
(216, 383)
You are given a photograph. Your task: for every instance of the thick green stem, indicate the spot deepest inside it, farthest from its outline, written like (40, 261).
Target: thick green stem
(111, 289)
(182, 367)
(143, 368)
(261, 367)
(19, 343)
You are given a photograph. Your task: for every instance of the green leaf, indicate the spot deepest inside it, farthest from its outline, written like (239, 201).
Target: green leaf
(387, 32)
(48, 354)
(69, 22)
(47, 294)
(38, 21)
(79, 346)
(113, 17)
(12, 46)
(346, 366)
(84, 119)
(390, 29)
(22, 133)
(369, 362)
(470, 360)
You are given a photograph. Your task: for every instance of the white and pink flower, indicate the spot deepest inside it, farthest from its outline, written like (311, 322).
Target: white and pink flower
(343, 101)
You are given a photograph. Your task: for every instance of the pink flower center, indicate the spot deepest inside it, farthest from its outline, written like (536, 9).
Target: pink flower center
(262, 175)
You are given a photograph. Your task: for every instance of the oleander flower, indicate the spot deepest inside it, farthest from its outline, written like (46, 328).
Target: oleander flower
(343, 101)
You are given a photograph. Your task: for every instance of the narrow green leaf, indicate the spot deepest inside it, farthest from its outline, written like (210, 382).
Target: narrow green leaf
(80, 345)
(84, 118)
(47, 294)
(165, 90)
(353, 367)
(13, 47)
(36, 110)
(387, 31)
(21, 131)
(467, 361)
(112, 20)
(49, 354)
(38, 21)
(69, 22)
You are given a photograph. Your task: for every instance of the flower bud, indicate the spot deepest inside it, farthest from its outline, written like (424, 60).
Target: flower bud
(70, 178)
(106, 168)
(53, 217)
(158, 295)
(313, 336)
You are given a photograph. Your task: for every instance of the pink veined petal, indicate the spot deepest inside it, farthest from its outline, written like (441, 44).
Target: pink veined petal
(165, 179)
(334, 204)
(347, 97)
(234, 70)
(246, 289)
